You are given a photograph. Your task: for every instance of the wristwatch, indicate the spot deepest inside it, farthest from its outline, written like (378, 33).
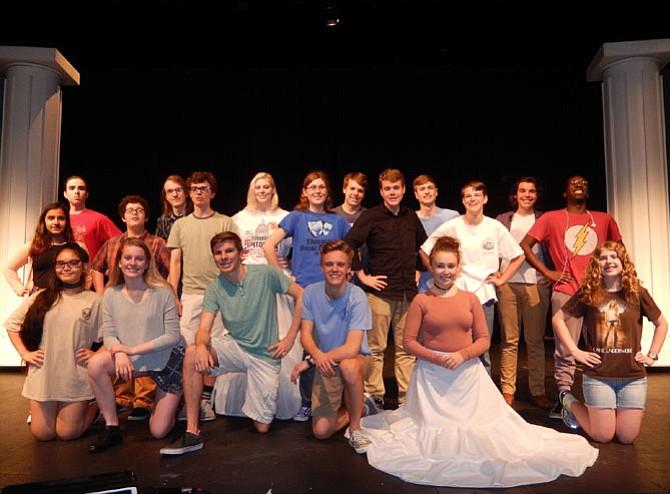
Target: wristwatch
(652, 356)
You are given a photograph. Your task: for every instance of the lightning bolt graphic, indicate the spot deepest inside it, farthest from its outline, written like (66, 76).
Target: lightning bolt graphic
(580, 240)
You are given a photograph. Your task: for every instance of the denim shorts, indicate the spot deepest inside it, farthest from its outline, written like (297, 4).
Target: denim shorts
(614, 393)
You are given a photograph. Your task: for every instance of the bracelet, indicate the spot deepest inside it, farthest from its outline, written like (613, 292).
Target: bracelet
(309, 360)
(652, 356)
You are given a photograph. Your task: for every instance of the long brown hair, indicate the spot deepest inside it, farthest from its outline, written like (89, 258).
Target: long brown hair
(167, 207)
(32, 327)
(42, 238)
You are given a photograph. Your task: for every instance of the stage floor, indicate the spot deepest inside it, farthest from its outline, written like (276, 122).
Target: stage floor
(236, 459)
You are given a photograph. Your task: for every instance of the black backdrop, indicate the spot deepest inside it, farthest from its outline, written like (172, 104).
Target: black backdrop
(175, 87)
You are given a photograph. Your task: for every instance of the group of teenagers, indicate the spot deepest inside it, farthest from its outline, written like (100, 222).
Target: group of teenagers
(288, 314)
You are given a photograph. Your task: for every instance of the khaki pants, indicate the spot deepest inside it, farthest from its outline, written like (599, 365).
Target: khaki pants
(522, 306)
(387, 313)
(564, 362)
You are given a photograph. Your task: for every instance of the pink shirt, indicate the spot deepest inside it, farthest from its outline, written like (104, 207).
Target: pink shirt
(446, 325)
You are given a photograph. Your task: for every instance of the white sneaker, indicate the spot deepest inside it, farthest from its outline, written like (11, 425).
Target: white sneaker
(358, 440)
(206, 412)
(303, 414)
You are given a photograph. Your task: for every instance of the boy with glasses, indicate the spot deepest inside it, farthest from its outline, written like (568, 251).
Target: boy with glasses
(189, 250)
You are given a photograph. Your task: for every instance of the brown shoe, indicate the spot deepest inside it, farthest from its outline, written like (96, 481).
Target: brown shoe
(542, 402)
(509, 398)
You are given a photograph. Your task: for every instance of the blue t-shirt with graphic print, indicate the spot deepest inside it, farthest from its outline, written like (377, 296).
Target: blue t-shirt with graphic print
(310, 231)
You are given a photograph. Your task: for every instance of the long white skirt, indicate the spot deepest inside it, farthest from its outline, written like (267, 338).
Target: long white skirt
(455, 429)
(229, 390)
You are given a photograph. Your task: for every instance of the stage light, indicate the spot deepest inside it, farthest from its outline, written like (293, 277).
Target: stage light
(332, 14)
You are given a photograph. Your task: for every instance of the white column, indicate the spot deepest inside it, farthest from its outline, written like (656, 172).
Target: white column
(636, 161)
(29, 154)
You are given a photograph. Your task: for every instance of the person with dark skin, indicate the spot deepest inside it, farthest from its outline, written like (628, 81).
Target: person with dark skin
(571, 236)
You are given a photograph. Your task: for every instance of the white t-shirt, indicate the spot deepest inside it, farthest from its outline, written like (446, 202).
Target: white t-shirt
(483, 246)
(255, 227)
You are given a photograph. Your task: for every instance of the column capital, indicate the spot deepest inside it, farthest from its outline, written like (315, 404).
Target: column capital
(47, 57)
(611, 53)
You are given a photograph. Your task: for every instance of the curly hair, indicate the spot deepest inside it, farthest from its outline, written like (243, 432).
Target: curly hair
(592, 289)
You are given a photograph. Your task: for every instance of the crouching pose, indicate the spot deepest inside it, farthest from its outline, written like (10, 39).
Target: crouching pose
(246, 296)
(336, 317)
(141, 338)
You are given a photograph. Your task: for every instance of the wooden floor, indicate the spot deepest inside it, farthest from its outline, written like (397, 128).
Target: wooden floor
(236, 459)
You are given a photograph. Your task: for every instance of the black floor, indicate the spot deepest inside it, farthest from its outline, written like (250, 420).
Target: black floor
(236, 459)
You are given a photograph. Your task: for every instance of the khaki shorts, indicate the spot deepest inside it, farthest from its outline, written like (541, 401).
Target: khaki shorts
(327, 392)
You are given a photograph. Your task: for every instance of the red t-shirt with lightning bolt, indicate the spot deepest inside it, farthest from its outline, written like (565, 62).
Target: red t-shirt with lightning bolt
(571, 240)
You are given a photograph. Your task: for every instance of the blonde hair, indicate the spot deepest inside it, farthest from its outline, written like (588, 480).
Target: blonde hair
(151, 275)
(252, 204)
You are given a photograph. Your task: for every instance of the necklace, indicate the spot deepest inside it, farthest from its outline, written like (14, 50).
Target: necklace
(442, 289)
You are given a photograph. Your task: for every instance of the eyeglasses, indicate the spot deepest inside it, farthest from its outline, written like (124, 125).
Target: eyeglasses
(316, 187)
(134, 210)
(204, 188)
(73, 264)
(578, 182)
(176, 190)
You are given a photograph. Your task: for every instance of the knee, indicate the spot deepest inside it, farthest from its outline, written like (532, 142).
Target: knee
(321, 435)
(159, 432)
(602, 437)
(43, 434)
(626, 437)
(351, 369)
(96, 365)
(261, 427)
(68, 435)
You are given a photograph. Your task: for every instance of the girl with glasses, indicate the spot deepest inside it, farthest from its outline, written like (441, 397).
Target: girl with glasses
(53, 330)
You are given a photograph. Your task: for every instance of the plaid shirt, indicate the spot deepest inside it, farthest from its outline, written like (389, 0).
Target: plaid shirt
(107, 253)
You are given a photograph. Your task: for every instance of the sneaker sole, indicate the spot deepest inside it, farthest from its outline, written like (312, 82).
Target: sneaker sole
(301, 419)
(181, 451)
(137, 419)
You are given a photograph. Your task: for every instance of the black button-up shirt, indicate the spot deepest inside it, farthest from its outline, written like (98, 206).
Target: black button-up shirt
(392, 242)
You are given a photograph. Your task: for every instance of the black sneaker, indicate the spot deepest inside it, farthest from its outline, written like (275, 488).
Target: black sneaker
(108, 438)
(138, 414)
(185, 444)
